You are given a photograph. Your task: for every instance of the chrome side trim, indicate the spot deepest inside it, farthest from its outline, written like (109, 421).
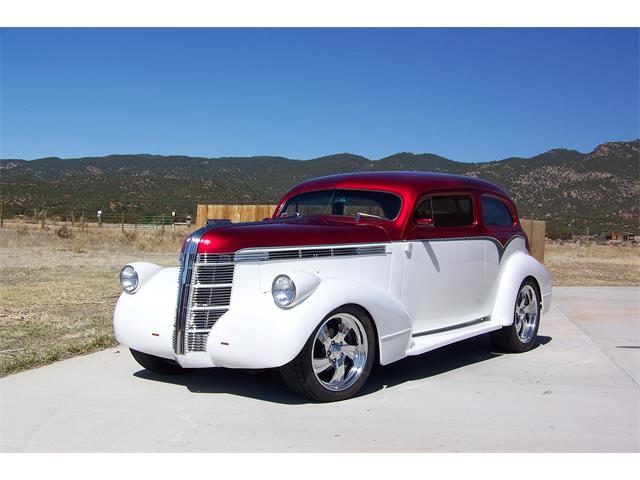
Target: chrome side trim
(452, 327)
(313, 251)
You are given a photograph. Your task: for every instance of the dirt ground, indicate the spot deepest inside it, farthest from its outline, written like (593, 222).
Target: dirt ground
(57, 294)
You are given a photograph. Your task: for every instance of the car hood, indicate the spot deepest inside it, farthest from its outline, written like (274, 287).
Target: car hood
(288, 232)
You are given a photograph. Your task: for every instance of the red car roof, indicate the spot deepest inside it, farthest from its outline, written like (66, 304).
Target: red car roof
(406, 184)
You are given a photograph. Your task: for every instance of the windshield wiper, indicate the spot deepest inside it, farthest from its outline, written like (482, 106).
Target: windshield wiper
(289, 215)
(359, 215)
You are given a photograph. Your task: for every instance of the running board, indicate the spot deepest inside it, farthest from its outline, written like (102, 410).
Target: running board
(430, 340)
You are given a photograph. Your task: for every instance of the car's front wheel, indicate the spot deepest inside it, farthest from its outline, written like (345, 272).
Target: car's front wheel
(520, 336)
(156, 364)
(337, 359)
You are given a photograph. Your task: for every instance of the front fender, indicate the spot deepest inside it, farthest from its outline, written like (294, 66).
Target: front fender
(144, 320)
(517, 267)
(258, 334)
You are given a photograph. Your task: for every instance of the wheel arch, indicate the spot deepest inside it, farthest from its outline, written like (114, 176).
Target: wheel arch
(536, 284)
(373, 324)
(518, 267)
(391, 321)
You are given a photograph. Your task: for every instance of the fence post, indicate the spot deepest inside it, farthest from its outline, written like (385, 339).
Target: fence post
(122, 221)
(73, 217)
(42, 220)
(135, 222)
(2, 215)
(162, 223)
(588, 243)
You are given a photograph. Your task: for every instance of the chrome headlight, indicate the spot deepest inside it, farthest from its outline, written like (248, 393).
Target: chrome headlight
(129, 279)
(283, 290)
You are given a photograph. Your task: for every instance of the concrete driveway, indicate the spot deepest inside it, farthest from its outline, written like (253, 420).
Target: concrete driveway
(576, 391)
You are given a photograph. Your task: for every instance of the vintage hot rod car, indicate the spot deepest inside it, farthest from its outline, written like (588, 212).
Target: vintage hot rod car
(351, 270)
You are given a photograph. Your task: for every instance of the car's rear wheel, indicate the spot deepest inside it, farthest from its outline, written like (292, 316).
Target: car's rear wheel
(337, 359)
(521, 335)
(156, 364)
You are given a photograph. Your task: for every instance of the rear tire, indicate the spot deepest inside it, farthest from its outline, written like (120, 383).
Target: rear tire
(521, 335)
(337, 359)
(156, 364)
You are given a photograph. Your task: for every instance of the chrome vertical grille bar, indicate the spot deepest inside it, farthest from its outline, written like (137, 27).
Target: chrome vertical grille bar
(184, 289)
(204, 295)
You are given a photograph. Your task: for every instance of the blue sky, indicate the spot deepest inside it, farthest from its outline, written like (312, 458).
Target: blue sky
(466, 94)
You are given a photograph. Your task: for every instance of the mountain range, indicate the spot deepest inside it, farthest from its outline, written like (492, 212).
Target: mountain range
(569, 189)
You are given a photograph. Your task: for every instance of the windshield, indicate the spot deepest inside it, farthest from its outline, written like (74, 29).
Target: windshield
(343, 202)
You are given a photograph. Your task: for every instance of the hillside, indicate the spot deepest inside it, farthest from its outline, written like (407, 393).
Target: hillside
(565, 187)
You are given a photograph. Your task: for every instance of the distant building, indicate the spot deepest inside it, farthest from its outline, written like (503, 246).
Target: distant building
(620, 237)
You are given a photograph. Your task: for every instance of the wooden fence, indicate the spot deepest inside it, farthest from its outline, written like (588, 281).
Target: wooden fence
(535, 229)
(235, 213)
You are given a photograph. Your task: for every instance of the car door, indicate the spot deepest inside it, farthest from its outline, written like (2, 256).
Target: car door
(444, 262)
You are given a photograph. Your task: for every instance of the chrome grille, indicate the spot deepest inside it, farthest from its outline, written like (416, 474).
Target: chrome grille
(214, 273)
(205, 319)
(214, 258)
(197, 341)
(210, 296)
(206, 283)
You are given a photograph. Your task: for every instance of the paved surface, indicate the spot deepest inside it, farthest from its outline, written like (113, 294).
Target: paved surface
(577, 391)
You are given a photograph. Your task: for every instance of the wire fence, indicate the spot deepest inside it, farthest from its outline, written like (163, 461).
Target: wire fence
(82, 218)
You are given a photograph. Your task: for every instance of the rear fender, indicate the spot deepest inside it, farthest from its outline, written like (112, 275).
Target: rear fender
(517, 267)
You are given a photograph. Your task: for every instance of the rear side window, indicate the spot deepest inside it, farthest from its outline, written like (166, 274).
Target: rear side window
(495, 213)
(446, 210)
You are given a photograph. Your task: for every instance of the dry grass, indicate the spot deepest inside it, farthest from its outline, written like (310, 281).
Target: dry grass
(574, 264)
(57, 294)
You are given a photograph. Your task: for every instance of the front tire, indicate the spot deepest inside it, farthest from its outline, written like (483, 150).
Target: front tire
(520, 336)
(337, 359)
(156, 364)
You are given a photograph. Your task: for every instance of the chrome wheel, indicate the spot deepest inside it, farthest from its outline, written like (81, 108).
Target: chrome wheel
(339, 352)
(526, 314)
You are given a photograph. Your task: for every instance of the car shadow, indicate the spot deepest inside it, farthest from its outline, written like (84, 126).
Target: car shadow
(442, 360)
(267, 385)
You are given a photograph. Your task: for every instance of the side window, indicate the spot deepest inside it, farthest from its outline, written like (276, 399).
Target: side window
(495, 213)
(445, 211)
(424, 213)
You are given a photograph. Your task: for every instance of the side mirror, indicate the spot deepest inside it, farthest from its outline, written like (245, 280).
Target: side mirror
(424, 222)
